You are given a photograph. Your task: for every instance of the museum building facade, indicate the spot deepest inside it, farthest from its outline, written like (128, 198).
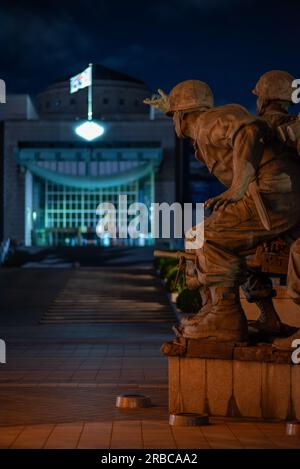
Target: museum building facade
(53, 180)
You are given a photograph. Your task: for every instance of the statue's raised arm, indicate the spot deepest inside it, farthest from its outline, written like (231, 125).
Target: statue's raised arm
(160, 101)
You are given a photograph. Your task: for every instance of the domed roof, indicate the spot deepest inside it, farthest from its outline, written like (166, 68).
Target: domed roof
(100, 72)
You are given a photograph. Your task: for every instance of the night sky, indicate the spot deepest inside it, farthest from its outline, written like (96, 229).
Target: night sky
(226, 43)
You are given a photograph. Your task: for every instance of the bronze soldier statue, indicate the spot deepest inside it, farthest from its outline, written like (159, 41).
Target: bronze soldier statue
(274, 97)
(273, 91)
(261, 201)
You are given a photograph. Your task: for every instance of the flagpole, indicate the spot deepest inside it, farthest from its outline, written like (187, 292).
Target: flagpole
(90, 95)
(89, 129)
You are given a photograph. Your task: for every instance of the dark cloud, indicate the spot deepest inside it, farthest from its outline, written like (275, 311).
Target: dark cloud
(227, 43)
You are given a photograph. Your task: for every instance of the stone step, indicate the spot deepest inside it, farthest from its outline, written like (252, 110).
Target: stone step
(91, 297)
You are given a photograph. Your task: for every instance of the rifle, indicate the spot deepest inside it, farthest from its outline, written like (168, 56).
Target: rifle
(180, 255)
(271, 257)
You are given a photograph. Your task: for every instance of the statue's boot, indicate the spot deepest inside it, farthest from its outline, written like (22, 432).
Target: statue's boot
(286, 343)
(269, 322)
(192, 318)
(176, 347)
(259, 289)
(205, 308)
(225, 321)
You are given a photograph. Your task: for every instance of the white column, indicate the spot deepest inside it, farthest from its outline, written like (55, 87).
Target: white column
(28, 207)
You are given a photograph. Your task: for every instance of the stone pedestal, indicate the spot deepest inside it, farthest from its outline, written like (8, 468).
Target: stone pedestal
(226, 380)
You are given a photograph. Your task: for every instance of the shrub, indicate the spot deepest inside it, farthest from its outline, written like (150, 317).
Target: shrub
(189, 301)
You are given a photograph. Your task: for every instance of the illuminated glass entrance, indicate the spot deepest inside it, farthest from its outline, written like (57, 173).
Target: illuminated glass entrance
(67, 207)
(64, 215)
(70, 213)
(64, 185)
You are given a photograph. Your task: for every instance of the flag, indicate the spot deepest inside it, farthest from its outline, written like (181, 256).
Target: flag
(81, 80)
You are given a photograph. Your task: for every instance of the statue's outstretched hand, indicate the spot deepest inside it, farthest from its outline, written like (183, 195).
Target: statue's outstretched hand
(222, 200)
(161, 102)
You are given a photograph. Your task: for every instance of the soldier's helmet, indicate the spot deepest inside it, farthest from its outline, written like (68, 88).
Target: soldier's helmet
(275, 84)
(189, 95)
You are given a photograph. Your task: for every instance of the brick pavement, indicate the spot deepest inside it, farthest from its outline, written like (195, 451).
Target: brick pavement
(60, 382)
(147, 434)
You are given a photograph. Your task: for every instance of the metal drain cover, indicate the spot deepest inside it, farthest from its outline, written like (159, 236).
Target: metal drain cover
(188, 419)
(132, 401)
(293, 428)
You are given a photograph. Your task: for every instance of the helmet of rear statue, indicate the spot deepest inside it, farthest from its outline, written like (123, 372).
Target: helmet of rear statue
(189, 95)
(275, 84)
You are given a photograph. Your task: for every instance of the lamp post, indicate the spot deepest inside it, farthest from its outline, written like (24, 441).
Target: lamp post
(90, 94)
(88, 130)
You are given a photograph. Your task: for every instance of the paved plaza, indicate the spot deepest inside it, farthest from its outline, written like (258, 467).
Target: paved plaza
(77, 338)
